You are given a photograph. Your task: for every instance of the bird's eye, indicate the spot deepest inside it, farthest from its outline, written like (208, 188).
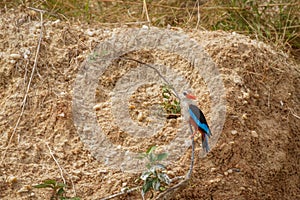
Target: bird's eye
(185, 93)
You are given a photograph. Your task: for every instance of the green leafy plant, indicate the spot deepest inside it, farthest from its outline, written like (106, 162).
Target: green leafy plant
(155, 177)
(170, 102)
(58, 190)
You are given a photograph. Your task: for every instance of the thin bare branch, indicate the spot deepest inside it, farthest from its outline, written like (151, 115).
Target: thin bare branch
(156, 70)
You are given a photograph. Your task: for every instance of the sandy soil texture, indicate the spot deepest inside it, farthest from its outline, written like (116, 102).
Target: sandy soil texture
(256, 156)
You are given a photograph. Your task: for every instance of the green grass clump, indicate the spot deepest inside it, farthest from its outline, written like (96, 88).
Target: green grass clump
(58, 190)
(155, 177)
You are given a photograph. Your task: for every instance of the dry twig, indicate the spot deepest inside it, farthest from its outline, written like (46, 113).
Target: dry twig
(156, 70)
(59, 167)
(145, 9)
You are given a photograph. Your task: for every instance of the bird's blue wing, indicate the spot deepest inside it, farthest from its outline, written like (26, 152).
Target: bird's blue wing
(203, 126)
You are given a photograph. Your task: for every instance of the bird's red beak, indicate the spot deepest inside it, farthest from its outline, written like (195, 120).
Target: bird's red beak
(190, 96)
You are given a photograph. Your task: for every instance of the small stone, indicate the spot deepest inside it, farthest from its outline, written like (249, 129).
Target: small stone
(25, 188)
(77, 172)
(230, 171)
(233, 132)
(124, 184)
(213, 169)
(171, 173)
(145, 27)
(214, 180)
(55, 22)
(254, 134)
(225, 173)
(140, 117)
(90, 33)
(26, 54)
(15, 56)
(132, 107)
(281, 103)
(97, 107)
(75, 178)
(61, 115)
(12, 179)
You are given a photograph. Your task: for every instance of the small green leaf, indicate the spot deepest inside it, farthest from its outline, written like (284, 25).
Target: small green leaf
(152, 158)
(148, 165)
(161, 156)
(151, 149)
(156, 184)
(60, 192)
(162, 188)
(52, 182)
(43, 185)
(146, 187)
(61, 185)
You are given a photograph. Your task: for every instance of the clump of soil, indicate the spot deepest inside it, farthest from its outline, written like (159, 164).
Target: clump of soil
(256, 157)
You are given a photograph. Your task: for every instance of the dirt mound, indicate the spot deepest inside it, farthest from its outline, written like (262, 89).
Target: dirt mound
(256, 157)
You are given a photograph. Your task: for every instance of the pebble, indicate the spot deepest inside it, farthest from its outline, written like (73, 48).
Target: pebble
(254, 134)
(90, 33)
(145, 27)
(15, 56)
(12, 179)
(244, 116)
(140, 116)
(55, 22)
(97, 107)
(77, 172)
(234, 132)
(213, 169)
(26, 54)
(25, 188)
(214, 180)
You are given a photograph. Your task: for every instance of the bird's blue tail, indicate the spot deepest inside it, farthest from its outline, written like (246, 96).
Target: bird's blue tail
(205, 145)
